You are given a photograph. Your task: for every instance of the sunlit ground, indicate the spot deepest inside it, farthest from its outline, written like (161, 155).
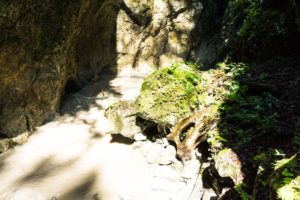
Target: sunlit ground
(70, 158)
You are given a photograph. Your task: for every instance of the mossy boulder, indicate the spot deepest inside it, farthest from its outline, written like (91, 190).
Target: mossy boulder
(121, 115)
(169, 94)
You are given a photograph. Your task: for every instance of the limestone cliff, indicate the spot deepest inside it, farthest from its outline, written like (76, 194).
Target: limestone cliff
(45, 46)
(49, 48)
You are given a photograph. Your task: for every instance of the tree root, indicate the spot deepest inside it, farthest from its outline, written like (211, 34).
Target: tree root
(190, 132)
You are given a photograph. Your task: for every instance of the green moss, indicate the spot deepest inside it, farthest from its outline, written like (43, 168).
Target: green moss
(170, 93)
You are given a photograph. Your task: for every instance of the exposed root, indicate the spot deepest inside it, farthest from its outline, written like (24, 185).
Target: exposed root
(190, 132)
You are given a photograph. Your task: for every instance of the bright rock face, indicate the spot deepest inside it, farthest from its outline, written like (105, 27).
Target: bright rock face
(166, 37)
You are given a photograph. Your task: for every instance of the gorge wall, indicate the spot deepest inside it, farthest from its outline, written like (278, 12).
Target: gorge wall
(51, 48)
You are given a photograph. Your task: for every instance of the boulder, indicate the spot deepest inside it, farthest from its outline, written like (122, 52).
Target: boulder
(227, 164)
(121, 114)
(169, 94)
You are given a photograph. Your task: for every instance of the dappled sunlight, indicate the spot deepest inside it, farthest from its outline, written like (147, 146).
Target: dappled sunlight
(72, 157)
(65, 158)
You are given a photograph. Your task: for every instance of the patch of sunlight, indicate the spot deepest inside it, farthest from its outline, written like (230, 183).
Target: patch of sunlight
(291, 190)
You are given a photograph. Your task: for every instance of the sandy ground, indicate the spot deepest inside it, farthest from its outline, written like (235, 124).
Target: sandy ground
(71, 158)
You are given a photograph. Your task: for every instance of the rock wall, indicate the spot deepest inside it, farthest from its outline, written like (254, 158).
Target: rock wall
(45, 46)
(165, 35)
(52, 47)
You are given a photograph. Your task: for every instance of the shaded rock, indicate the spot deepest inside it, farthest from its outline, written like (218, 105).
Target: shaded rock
(228, 164)
(121, 114)
(212, 179)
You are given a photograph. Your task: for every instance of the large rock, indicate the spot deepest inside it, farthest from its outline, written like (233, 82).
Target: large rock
(169, 94)
(167, 38)
(228, 164)
(121, 114)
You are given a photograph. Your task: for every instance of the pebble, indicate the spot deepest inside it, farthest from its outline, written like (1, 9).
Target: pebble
(146, 148)
(190, 169)
(140, 137)
(168, 155)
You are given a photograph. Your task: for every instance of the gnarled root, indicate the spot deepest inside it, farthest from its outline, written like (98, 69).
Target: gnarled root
(190, 132)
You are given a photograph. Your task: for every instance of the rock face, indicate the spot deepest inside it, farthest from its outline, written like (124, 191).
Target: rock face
(165, 39)
(41, 54)
(50, 48)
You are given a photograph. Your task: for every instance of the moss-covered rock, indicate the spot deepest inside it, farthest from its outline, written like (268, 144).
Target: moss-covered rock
(170, 94)
(121, 115)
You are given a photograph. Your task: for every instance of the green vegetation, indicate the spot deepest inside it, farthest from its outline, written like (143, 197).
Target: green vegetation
(249, 117)
(243, 194)
(245, 118)
(261, 28)
(285, 180)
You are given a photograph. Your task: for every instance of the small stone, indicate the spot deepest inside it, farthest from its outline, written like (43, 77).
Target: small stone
(153, 158)
(154, 154)
(159, 141)
(146, 147)
(168, 155)
(177, 165)
(227, 163)
(140, 137)
(191, 169)
(165, 142)
(137, 145)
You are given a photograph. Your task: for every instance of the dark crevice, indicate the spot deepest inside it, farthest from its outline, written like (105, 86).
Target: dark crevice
(118, 138)
(212, 179)
(138, 19)
(28, 126)
(71, 87)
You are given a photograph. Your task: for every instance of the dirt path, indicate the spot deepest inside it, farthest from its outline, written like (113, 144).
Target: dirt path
(70, 158)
